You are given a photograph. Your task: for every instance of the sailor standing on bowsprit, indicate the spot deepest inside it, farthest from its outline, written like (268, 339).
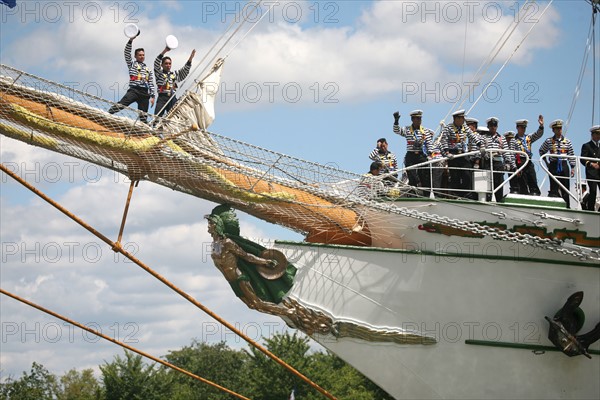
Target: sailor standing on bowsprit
(166, 80)
(141, 82)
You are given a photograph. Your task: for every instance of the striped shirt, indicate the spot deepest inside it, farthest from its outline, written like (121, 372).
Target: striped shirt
(473, 147)
(140, 76)
(524, 143)
(166, 81)
(418, 141)
(388, 160)
(497, 142)
(454, 140)
(561, 146)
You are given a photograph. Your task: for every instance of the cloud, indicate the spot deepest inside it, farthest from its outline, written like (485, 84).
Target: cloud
(50, 260)
(390, 42)
(370, 56)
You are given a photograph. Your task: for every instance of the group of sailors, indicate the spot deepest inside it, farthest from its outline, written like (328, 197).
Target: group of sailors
(141, 82)
(487, 152)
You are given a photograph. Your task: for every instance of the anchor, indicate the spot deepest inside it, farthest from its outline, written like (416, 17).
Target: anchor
(564, 327)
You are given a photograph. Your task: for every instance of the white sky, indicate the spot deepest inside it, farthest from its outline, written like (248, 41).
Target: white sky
(355, 62)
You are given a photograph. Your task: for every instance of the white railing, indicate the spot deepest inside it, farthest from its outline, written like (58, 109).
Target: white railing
(377, 188)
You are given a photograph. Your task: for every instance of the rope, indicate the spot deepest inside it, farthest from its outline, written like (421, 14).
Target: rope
(99, 334)
(241, 24)
(479, 74)
(252, 27)
(595, 9)
(511, 56)
(117, 248)
(586, 54)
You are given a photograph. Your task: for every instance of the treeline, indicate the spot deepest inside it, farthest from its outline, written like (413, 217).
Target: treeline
(247, 372)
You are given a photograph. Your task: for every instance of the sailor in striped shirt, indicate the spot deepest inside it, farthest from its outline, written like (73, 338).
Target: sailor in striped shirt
(141, 83)
(499, 161)
(527, 181)
(454, 142)
(419, 148)
(166, 81)
(559, 166)
(387, 159)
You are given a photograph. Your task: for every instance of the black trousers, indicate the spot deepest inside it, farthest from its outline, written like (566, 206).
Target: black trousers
(592, 184)
(460, 178)
(498, 177)
(163, 101)
(528, 180)
(134, 95)
(563, 177)
(417, 177)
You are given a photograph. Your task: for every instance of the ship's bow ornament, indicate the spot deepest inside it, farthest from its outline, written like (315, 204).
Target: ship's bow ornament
(262, 278)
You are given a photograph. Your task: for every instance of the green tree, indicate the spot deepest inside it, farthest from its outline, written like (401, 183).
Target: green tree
(130, 378)
(270, 381)
(343, 380)
(217, 363)
(82, 385)
(39, 384)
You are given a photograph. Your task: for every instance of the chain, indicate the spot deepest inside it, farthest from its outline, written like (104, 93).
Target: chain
(554, 245)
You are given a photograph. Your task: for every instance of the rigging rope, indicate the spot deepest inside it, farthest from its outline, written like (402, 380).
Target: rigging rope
(231, 36)
(486, 63)
(117, 248)
(511, 56)
(586, 53)
(126, 346)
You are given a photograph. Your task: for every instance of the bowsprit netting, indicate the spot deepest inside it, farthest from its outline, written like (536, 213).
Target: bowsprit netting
(329, 205)
(176, 152)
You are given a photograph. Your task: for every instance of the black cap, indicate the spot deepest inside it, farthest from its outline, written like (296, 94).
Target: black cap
(382, 140)
(375, 165)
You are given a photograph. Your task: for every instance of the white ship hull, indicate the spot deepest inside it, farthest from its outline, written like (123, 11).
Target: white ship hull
(470, 304)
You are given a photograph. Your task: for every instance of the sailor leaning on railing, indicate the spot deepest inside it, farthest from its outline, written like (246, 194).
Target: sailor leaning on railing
(559, 167)
(455, 138)
(591, 149)
(527, 179)
(500, 161)
(420, 148)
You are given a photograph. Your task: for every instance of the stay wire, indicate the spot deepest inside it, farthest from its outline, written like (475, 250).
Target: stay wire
(487, 62)
(510, 57)
(117, 248)
(586, 53)
(126, 346)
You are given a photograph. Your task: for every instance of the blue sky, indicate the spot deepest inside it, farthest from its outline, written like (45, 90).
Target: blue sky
(346, 66)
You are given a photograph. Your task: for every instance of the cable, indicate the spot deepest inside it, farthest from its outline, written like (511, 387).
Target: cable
(99, 334)
(510, 57)
(117, 248)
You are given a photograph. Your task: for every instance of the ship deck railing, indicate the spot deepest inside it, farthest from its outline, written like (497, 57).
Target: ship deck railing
(402, 189)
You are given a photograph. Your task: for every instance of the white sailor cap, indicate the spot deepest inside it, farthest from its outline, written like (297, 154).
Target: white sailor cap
(483, 129)
(470, 120)
(521, 122)
(595, 129)
(416, 113)
(459, 113)
(557, 123)
(492, 120)
(509, 134)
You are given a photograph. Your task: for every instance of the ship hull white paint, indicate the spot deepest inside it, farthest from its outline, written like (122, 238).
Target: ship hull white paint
(454, 300)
